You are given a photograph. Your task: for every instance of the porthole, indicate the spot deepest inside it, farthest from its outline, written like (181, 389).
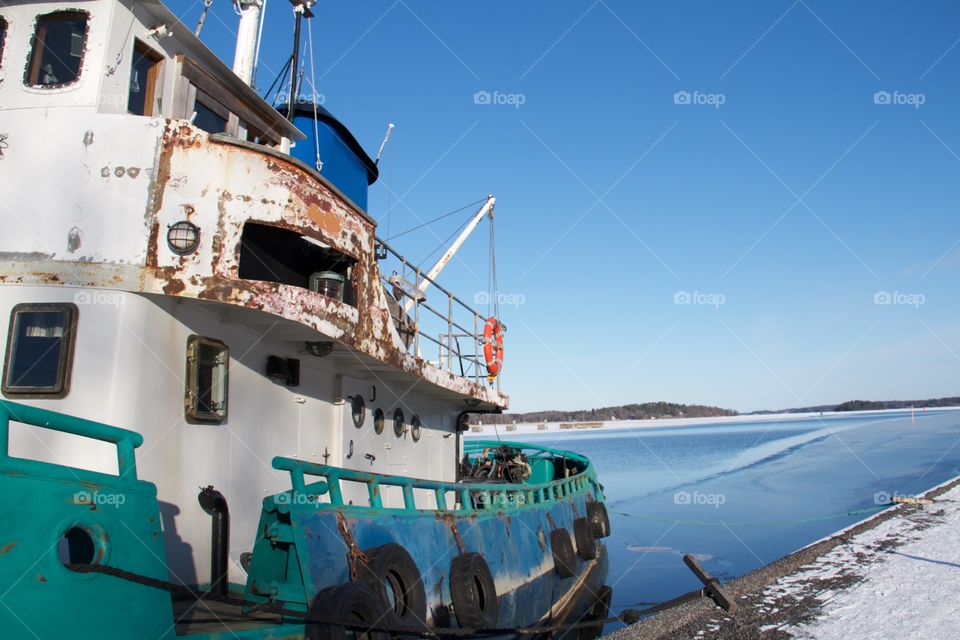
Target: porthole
(398, 426)
(415, 425)
(359, 410)
(378, 420)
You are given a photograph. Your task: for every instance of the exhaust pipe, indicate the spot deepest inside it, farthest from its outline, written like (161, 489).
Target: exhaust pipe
(215, 504)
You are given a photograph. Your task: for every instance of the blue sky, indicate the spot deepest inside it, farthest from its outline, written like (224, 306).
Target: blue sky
(738, 157)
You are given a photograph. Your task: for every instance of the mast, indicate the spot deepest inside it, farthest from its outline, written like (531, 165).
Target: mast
(245, 52)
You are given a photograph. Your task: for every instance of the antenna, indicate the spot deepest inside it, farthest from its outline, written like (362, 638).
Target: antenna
(386, 138)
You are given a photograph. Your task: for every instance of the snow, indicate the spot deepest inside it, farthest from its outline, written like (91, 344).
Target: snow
(896, 580)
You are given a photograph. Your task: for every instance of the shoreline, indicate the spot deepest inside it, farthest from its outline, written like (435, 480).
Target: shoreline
(788, 597)
(606, 426)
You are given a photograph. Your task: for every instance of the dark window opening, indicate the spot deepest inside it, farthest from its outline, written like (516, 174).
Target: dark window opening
(212, 119)
(144, 73)
(3, 37)
(208, 362)
(39, 350)
(278, 255)
(58, 46)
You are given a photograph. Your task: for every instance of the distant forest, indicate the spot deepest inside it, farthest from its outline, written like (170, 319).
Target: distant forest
(873, 405)
(645, 411)
(656, 410)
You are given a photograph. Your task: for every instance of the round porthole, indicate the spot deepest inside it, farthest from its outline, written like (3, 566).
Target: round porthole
(378, 420)
(359, 410)
(415, 425)
(398, 423)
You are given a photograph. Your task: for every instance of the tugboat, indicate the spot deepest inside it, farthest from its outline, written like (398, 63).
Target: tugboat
(229, 409)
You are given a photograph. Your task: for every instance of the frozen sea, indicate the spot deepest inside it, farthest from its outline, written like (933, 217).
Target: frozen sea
(741, 494)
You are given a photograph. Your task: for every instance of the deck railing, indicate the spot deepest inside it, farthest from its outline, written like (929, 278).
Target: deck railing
(448, 327)
(468, 498)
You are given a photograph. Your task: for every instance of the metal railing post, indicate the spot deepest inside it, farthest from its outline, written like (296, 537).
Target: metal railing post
(416, 317)
(450, 332)
(476, 347)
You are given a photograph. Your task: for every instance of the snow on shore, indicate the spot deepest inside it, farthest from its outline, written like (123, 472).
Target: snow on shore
(896, 580)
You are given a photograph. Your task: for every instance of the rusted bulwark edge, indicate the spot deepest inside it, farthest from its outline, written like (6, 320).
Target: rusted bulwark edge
(220, 187)
(692, 619)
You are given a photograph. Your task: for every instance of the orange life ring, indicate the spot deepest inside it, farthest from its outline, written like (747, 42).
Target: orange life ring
(493, 346)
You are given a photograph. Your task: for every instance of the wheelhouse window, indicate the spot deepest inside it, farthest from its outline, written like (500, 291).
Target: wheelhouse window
(144, 75)
(57, 51)
(211, 117)
(39, 350)
(207, 368)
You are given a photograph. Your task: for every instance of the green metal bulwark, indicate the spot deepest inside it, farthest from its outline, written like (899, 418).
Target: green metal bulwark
(470, 498)
(112, 520)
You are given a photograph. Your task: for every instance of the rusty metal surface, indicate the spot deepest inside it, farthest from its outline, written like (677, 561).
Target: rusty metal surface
(221, 186)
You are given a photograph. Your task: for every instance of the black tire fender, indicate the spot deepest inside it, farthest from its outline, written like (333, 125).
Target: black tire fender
(586, 543)
(473, 592)
(599, 520)
(564, 559)
(393, 575)
(351, 602)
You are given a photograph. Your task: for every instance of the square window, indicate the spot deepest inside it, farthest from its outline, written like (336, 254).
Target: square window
(39, 351)
(58, 46)
(208, 362)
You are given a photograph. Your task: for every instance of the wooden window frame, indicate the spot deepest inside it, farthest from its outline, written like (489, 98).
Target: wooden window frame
(65, 363)
(4, 29)
(140, 48)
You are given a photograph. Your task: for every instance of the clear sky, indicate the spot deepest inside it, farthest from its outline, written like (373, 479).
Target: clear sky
(779, 166)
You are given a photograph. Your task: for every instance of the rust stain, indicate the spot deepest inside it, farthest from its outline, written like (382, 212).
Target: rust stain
(7, 548)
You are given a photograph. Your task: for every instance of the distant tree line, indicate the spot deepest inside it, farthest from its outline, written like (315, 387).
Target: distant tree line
(873, 405)
(644, 411)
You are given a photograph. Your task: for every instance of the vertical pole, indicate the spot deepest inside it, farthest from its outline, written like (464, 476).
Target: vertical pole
(450, 332)
(298, 11)
(476, 347)
(416, 318)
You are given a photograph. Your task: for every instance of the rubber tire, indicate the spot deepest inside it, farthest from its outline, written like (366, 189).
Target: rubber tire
(564, 559)
(599, 520)
(351, 601)
(599, 611)
(392, 562)
(586, 542)
(474, 592)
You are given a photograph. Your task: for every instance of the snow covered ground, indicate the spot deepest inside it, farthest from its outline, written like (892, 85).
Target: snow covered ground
(897, 580)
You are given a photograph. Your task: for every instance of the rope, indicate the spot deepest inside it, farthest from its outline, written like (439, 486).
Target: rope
(627, 616)
(438, 218)
(756, 523)
(313, 90)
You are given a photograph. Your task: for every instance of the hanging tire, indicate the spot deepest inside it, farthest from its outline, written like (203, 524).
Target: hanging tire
(354, 603)
(586, 543)
(599, 611)
(564, 560)
(393, 575)
(474, 592)
(599, 520)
